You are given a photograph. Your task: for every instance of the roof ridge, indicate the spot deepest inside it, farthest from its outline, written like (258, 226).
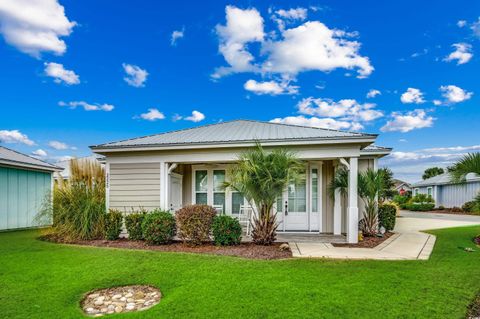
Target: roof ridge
(23, 154)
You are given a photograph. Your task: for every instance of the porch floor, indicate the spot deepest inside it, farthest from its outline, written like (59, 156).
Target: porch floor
(304, 238)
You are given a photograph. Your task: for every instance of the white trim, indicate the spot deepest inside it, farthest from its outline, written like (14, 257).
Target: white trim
(352, 213)
(337, 209)
(107, 186)
(430, 188)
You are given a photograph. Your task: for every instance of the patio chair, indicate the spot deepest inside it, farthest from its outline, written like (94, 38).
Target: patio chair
(219, 209)
(245, 217)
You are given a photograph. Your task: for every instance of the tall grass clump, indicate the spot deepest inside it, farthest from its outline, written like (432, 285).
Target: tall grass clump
(78, 210)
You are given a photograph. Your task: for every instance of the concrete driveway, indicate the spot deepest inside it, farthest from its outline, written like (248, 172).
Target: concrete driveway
(409, 243)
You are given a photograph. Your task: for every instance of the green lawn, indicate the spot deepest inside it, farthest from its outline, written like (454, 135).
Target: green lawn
(45, 280)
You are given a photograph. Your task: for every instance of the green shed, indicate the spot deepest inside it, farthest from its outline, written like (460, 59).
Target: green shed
(25, 182)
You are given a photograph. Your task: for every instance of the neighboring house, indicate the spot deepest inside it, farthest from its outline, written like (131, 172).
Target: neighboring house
(65, 165)
(178, 168)
(25, 182)
(401, 187)
(448, 194)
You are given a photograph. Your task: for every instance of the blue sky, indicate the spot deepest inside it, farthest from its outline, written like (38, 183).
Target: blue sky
(76, 73)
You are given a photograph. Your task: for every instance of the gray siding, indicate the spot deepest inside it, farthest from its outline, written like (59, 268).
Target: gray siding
(457, 195)
(134, 186)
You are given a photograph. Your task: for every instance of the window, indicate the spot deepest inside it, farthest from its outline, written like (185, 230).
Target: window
(415, 191)
(237, 201)
(218, 189)
(314, 190)
(201, 187)
(297, 196)
(430, 191)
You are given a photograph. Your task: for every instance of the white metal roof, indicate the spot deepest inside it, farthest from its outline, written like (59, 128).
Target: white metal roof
(443, 179)
(16, 159)
(239, 131)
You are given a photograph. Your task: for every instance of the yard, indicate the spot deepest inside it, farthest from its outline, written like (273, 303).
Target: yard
(46, 280)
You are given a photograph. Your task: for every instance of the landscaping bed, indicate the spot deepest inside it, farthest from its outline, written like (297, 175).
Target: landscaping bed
(367, 242)
(474, 308)
(244, 250)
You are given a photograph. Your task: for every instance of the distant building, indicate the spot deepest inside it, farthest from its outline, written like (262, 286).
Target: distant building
(401, 187)
(448, 194)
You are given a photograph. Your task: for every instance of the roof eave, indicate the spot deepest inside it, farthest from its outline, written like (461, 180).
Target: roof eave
(30, 166)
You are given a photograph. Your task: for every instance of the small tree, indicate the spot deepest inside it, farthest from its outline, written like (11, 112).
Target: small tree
(431, 172)
(262, 177)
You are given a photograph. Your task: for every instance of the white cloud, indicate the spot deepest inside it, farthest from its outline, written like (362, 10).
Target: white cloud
(135, 75)
(87, 106)
(461, 23)
(152, 115)
(36, 26)
(242, 27)
(177, 34)
(454, 94)
(475, 27)
(412, 95)
(270, 87)
(373, 93)
(347, 109)
(60, 145)
(281, 17)
(463, 53)
(195, 117)
(310, 46)
(15, 136)
(437, 102)
(40, 153)
(406, 122)
(60, 74)
(327, 123)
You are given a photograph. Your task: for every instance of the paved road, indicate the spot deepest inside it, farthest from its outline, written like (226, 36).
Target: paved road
(457, 217)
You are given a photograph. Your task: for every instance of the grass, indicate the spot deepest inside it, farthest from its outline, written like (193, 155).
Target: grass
(46, 280)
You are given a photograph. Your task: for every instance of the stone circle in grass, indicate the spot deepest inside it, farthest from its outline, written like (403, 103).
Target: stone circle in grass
(120, 299)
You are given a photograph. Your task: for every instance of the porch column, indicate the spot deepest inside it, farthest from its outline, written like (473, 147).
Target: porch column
(163, 186)
(352, 213)
(337, 210)
(107, 185)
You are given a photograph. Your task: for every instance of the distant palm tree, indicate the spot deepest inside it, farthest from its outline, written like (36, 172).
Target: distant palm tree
(262, 177)
(469, 163)
(372, 185)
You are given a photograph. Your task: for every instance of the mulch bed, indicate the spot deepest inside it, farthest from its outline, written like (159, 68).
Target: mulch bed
(476, 240)
(245, 250)
(367, 242)
(473, 310)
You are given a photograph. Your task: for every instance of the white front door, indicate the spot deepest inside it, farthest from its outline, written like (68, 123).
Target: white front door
(175, 196)
(295, 210)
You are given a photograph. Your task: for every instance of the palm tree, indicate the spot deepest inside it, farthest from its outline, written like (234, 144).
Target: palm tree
(372, 186)
(469, 163)
(262, 177)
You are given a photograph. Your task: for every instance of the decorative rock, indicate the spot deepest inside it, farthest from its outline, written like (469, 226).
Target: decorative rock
(120, 299)
(284, 246)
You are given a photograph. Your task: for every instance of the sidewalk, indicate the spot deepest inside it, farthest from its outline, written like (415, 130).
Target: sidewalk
(409, 243)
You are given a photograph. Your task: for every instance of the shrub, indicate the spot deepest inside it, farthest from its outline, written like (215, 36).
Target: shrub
(468, 206)
(401, 201)
(113, 224)
(456, 209)
(226, 231)
(158, 227)
(387, 214)
(422, 207)
(194, 223)
(422, 198)
(133, 223)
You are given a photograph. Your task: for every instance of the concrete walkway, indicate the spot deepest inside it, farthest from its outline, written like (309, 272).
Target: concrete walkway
(409, 243)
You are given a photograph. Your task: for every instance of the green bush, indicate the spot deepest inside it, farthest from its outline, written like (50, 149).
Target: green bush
(194, 223)
(468, 206)
(226, 231)
(387, 214)
(113, 224)
(158, 227)
(401, 201)
(133, 223)
(421, 207)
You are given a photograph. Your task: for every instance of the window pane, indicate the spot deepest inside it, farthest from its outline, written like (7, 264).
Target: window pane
(218, 180)
(237, 200)
(280, 204)
(219, 199)
(297, 196)
(201, 198)
(201, 181)
(314, 190)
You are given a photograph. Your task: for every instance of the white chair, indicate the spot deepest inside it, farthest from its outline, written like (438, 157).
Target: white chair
(245, 216)
(219, 209)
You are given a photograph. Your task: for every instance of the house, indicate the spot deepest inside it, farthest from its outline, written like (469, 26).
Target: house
(401, 187)
(65, 165)
(178, 168)
(25, 182)
(446, 193)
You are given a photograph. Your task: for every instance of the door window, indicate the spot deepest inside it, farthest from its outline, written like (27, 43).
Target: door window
(201, 187)
(297, 196)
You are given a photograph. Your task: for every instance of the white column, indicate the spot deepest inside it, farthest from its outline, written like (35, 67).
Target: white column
(320, 196)
(163, 186)
(337, 210)
(375, 164)
(352, 214)
(107, 185)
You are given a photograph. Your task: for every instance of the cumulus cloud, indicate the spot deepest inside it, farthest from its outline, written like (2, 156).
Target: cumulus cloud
(39, 153)
(176, 35)
(60, 145)
(15, 136)
(60, 74)
(461, 23)
(475, 27)
(153, 114)
(373, 93)
(87, 106)
(327, 123)
(454, 94)
(412, 95)
(282, 16)
(195, 117)
(462, 54)
(310, 46)
(270, 87)
(36, 26)
(406, 122)
(136, 76)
